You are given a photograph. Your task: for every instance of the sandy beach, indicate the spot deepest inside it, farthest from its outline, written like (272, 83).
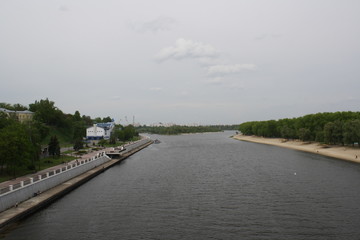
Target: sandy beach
(340, 152)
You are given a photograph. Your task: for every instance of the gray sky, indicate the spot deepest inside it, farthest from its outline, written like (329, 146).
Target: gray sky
(198, 61)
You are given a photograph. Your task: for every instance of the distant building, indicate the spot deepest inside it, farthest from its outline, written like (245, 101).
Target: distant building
(100, 131)
(21, 116)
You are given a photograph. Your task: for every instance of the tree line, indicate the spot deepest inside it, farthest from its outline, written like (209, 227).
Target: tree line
(21, 144)
(178, 129)
(330, 128)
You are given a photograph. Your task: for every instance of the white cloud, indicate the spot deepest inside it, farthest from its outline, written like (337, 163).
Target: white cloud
(63, 8)
(187, 49)
(115, 98)
(221, 70)
(216, 81)
(157, 25)
(267, 36)
(156, 89)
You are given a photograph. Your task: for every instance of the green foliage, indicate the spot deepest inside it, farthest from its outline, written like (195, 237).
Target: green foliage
(20, 143)
(177, 129)
(54, 147)
(15, 107)
(15, 148)
(332, 128)
(104, 120)
(112, 139)
(46, 112)
(125, 133)
(102, 142)
(78, 144)
(352, 131)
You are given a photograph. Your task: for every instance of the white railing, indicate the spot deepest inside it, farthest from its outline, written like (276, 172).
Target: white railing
(42, 176)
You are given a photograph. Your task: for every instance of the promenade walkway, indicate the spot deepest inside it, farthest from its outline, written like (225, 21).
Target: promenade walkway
(18, 180)
(36, 202)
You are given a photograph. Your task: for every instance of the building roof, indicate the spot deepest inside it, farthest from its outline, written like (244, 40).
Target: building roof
(106, 126)
(12, 111)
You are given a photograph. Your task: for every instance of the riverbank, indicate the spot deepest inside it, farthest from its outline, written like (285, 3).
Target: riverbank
(30, 206)
(339, 152)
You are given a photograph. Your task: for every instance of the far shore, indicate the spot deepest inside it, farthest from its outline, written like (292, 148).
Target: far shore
(345, 153)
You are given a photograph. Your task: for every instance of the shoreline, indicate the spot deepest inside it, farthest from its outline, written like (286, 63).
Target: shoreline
(339, 152)
(36, 203)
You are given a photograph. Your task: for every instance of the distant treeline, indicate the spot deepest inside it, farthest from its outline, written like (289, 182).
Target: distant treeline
(331, 128)
(177, 129)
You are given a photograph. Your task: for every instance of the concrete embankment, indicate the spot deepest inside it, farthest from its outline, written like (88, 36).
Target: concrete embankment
(43, 199)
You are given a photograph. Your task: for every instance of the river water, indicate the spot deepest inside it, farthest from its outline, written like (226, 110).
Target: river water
(208, 186)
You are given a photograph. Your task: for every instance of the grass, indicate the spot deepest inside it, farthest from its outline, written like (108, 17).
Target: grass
(65, 138)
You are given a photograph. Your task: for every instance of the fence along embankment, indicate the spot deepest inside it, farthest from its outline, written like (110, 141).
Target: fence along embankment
(11, 196)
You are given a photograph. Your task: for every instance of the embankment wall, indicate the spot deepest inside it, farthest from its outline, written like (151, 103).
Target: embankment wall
(47, 181)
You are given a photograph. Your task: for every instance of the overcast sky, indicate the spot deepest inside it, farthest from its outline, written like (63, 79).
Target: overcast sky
(188, 61)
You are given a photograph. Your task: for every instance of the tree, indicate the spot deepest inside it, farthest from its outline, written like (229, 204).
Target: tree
(87, 120)
(287, 132)
(77, 116)
(35, 132)
(107, 119)
(15, 107)
(102, 142)
(352, 131)
(5, 120)
(112, 139)
(78, 144)
(129, 132)
(328, 133)
(15, 147)
(46, 112)
(304, 134)
(54, 147)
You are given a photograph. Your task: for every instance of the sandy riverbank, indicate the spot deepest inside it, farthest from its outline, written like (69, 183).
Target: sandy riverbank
(344, 153)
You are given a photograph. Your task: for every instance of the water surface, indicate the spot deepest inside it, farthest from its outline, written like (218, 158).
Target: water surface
(208, 186)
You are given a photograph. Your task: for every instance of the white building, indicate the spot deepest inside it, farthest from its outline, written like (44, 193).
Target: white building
(100, 131)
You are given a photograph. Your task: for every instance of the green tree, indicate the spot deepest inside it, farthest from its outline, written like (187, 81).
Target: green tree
(352, 132)
(15, 107)
(102, 142)
(98, 120)
(329, 129)
(54, 147)
(46, 112)
(78, 144)
(107, 119)
(287, 132)
(87, 120)
(112, 139)
(304, 134)
(15, 147)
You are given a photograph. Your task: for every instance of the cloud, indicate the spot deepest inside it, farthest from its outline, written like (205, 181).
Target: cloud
(221, 70)
(156, 89)
(157, 25)
(187, 49)
(216, 81)
(63, 8)
(267, 36)
(115, 98)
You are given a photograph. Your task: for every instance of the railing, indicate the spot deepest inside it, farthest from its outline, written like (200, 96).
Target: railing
(63, 169)
(48, 174)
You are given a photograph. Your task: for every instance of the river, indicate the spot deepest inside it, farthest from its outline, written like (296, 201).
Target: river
(208, 186)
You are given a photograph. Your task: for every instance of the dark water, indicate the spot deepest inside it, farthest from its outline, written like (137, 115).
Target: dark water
(208, 186)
